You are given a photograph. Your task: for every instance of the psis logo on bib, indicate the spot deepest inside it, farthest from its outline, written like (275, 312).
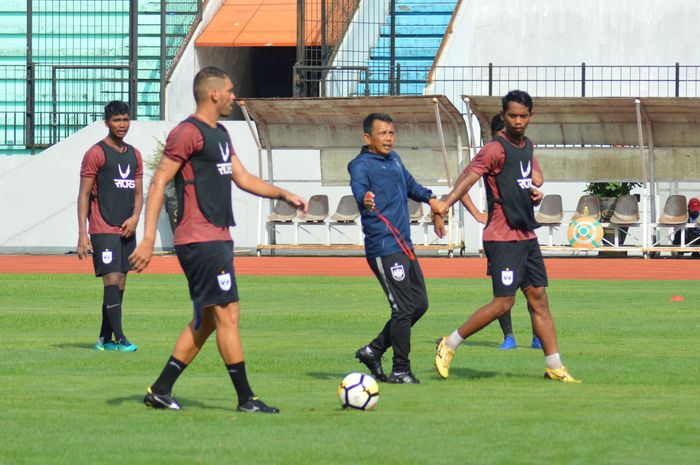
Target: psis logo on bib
(224, 281)
(507, 277)
(397, 272)
(107, 256)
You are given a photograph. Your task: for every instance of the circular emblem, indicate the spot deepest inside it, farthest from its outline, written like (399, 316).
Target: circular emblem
(585, 233)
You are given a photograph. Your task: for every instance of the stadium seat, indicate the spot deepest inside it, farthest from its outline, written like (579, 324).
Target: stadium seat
(674, 216)
(415, 211)
(550, 214)
(347, 210)
(590, 202)
(675, 211)
(318, 213)
(626, 214)
(282, 213)
(346, 213)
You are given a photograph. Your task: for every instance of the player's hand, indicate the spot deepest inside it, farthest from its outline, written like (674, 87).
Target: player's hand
(438, 207)
(298, 201)
(141, 257)
(368, 201)
(481, 217)
(84, 245)
(129, 226)
(438, 224)
(536, 196)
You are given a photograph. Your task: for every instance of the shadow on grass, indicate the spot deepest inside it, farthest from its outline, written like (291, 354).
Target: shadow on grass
(326, 376)
(184, 402)
(75, 345)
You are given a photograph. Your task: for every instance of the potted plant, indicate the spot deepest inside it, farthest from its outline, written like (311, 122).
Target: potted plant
(170, 201)
(608, 192)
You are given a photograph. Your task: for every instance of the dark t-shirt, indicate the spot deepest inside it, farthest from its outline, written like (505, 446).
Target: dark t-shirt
(93, 161)
(184, 141)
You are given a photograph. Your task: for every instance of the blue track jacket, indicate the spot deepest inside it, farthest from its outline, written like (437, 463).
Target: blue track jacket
(392, 184)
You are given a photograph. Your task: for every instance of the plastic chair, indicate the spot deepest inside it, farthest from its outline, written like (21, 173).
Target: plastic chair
(550, 214)
(282, 212)
(347, 211)
(590, 202)
(626, 211)
(415, 211)
(675, 211)
(318, 209)
(551, 210)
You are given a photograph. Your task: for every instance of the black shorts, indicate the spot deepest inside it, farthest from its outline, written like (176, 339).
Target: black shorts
(515, 265)
(209, 270)
(110, 253)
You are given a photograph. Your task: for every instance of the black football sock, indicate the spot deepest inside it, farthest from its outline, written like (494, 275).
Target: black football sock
(106, 328)
(506, 324)
(113, 308)
(173, 369)
(240, 381)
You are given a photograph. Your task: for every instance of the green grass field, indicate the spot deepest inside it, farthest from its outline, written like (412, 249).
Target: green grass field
(635, 350)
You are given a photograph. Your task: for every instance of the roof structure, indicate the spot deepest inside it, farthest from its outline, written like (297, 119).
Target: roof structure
(597, 138)
(430, 131)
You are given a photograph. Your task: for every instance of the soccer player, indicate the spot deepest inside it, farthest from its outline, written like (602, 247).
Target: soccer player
(381, 186)
(110, 198)
(199, 154)
(514, 258)
(505, 320)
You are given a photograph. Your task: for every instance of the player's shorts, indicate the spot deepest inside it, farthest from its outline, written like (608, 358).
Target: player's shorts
(209, 270)
(110, 253)
(515, 265)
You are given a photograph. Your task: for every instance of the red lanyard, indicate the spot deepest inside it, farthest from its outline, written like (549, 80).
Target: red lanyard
(397, 236)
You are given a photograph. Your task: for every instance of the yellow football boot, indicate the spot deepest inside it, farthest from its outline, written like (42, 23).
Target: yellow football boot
(443, 358)
(560, 374)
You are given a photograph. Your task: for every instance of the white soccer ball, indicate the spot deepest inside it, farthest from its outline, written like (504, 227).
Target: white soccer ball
(358, 391)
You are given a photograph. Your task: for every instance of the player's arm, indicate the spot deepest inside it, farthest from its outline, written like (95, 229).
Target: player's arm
(360, 185)
(84, 190)
(479, 216)
(537, 179)
(256, 186)
(166, 171)
(129, 224)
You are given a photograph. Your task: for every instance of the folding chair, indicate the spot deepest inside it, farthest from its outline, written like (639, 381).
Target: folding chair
(550, 214)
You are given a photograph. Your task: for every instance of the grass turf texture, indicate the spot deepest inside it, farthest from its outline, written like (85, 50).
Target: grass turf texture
(63, 403)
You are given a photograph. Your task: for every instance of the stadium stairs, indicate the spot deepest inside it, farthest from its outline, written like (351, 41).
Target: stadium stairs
(420, 28)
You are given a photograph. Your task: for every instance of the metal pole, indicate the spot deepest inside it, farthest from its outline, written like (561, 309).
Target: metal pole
(324, 25)
(163, 52)
(133, 56)
(29, 105)
(583, 79)
(256, 138)
(297, 81)
(678, 79)
(54, 107)
(438, 122)
(392, 47)
(490, 79)
(645, 224)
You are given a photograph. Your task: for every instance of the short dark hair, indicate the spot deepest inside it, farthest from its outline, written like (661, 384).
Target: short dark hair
(115, 107)
(204, 74)
(518, 96)
(497, 124)
(369, 121)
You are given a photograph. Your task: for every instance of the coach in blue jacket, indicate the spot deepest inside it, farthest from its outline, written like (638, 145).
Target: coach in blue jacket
(381, 186)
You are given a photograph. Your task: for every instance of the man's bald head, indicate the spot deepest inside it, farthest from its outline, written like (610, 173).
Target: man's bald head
(206, 80)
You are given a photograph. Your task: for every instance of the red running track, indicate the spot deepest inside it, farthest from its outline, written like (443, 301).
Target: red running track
(443, 267)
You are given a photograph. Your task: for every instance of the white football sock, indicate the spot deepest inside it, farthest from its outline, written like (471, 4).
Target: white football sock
(553, 361)
(453, 341)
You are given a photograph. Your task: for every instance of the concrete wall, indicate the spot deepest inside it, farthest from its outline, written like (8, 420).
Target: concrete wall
(542, 32)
